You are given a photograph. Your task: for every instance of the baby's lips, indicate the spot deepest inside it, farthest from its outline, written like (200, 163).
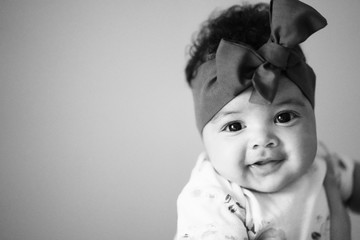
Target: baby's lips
(265, 160)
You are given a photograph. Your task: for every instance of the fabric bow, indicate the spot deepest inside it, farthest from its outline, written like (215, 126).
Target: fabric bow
(237, 67)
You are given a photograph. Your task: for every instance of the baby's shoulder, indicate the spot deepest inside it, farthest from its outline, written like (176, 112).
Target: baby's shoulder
(343, 167)
(208, 188)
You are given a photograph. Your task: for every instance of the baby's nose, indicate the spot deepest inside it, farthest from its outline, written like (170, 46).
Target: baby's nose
(270, 144)
(264, 139)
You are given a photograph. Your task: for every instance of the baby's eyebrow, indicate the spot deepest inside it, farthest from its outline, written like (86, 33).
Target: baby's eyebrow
(291, 101)
(223, 114)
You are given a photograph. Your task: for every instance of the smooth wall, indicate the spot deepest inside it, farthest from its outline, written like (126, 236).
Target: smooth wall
(97, 132)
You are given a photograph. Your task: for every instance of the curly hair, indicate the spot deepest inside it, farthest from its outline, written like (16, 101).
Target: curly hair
(245, 23)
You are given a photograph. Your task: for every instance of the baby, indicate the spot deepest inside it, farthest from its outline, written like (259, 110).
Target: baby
(263, 174)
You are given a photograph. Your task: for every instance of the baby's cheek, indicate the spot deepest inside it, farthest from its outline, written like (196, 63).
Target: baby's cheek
(310, 147)
(306, 142)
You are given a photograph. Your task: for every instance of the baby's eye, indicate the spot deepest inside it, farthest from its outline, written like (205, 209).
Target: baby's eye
(285, 117)
(234, 127)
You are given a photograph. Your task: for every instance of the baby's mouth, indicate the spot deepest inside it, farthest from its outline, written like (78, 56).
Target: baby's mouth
(264, 162)
(266, 166)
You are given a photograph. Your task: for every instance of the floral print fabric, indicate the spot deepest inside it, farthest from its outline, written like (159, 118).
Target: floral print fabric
(210, 207)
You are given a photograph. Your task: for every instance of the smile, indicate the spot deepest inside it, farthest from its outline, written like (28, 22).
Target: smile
(265, 167)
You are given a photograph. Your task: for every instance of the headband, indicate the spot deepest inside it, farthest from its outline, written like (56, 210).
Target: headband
(236, 67)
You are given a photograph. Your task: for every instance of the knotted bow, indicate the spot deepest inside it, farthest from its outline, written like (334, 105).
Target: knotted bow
(237, 67)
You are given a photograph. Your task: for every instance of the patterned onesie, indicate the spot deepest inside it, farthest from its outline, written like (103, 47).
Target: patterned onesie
(211, 207)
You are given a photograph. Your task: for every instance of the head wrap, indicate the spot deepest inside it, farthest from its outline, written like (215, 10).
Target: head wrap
(236, 67)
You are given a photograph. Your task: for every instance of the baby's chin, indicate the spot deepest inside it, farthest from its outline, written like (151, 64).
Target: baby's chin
(268, 186)
(265, 189)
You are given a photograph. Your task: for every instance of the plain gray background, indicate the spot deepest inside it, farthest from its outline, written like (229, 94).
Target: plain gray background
(97, 132)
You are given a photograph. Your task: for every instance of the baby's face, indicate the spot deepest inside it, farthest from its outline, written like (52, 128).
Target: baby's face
(263, 147)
